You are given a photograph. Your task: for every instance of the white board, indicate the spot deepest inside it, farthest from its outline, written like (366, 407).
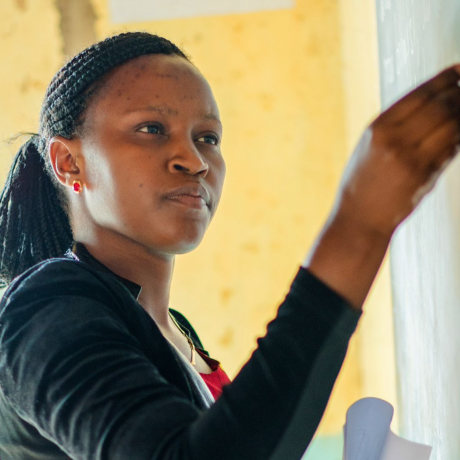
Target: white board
(418, 38)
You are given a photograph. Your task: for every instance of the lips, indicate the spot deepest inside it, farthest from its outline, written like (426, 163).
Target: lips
(193, 195)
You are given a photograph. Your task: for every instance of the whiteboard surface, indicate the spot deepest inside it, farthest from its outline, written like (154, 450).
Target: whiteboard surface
(418, 38)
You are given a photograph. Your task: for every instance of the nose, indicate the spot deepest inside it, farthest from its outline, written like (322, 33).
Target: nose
(188, 159)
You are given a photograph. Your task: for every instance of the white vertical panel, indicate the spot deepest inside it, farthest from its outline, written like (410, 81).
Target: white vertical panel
(152, 10)
(417, 38)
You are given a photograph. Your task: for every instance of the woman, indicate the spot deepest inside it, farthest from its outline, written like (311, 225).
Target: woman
(127, 171)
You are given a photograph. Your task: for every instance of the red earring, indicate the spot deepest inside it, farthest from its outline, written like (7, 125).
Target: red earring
(77, 187)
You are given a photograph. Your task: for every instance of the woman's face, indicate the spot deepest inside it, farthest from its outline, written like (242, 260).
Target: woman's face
(153, 169)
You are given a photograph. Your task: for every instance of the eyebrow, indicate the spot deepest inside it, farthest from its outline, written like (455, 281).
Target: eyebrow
(164, 109)
(161, 109)
(211, 116)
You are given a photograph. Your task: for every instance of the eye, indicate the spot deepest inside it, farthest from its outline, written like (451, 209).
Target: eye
(209, 139)
(153, 128)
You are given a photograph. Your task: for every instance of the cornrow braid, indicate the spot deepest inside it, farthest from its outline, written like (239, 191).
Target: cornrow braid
(34, 216)
(66, 98)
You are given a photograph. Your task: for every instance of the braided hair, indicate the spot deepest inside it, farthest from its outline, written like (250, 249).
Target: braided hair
(34, 215)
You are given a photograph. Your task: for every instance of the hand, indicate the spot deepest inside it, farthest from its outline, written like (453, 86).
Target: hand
(396, 163)
(401, 155)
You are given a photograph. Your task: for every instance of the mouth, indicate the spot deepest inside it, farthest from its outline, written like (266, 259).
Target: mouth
(192, 195)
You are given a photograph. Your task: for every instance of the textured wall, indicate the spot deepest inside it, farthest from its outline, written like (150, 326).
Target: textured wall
(30, 53)
(416, 39)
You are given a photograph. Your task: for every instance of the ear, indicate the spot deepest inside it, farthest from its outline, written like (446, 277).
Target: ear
(66, 160)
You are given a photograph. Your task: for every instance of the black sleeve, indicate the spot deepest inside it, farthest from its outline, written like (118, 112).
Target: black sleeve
(70, 367)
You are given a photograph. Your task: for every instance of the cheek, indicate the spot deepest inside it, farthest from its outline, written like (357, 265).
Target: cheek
(111, 188)
(102, 175)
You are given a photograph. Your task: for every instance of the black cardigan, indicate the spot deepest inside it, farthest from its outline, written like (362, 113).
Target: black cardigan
(86, 374)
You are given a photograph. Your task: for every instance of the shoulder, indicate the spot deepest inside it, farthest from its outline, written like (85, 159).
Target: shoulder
(61, 276)
(63, 301)
(60, 286)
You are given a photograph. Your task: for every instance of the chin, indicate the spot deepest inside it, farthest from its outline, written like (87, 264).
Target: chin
(182, 239)
(173, 237)
(177, 245)
(184, 247)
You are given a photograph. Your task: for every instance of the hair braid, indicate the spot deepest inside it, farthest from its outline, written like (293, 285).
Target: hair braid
(66, 98)
(25, 238)
(34, 222)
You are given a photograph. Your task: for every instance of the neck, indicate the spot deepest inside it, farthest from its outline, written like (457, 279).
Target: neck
(150, 270)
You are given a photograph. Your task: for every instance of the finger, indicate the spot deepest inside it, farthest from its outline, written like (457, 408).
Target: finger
(429, 118)
(413, 101)
(441, 162)
(430, 182)
(445, 138)
(448, 77)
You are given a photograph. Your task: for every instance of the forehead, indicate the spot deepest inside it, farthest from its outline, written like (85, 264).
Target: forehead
(155, 79)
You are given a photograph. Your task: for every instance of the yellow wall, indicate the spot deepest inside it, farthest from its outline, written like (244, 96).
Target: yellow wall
(362, 103)
(29, 56)
(293, 96)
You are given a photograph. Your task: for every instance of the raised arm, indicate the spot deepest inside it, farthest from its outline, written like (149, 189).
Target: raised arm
(396, 163)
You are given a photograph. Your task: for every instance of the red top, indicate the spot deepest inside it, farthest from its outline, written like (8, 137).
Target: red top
(217, 379)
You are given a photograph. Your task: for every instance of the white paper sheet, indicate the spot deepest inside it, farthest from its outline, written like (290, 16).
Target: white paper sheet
(367, 434)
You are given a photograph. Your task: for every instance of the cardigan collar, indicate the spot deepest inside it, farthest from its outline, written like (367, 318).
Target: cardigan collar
(80, 253)
(204, 398)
